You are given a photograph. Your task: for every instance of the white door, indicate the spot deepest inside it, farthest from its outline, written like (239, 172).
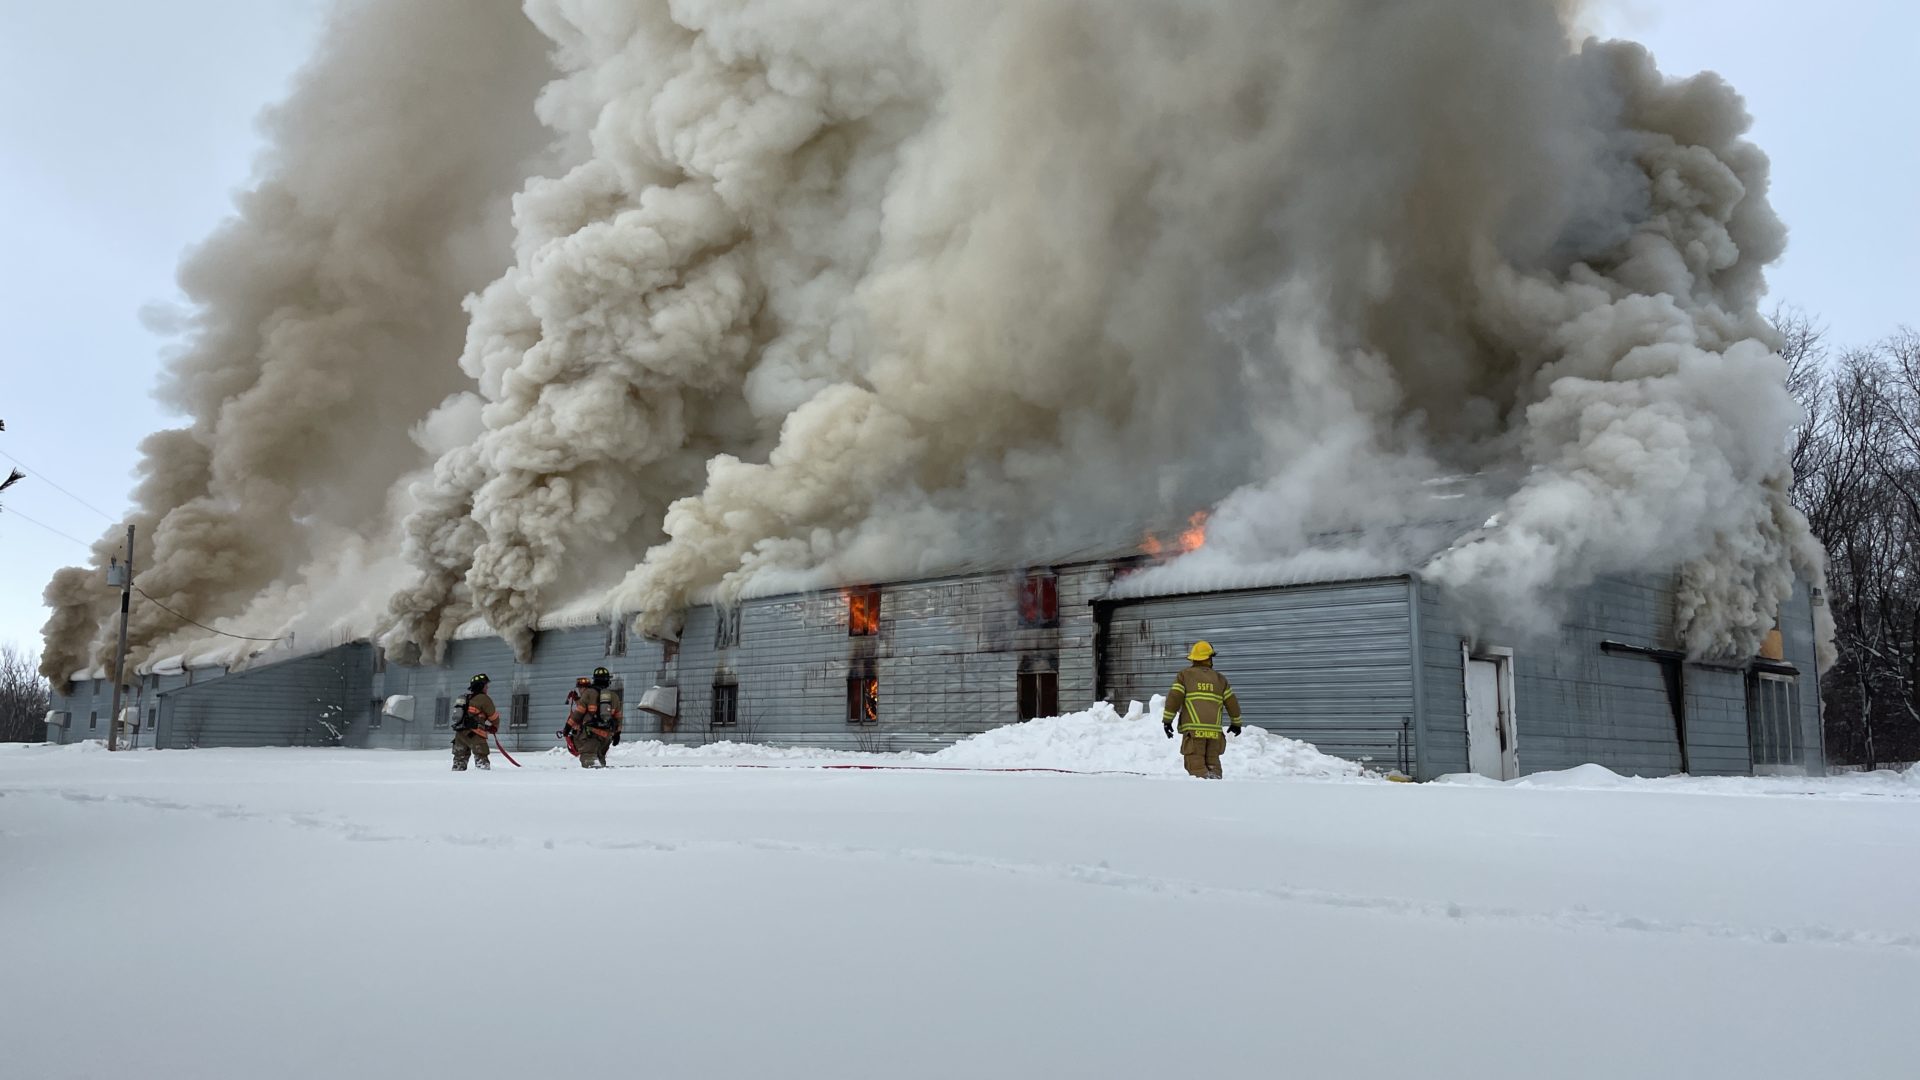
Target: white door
(1486, 729)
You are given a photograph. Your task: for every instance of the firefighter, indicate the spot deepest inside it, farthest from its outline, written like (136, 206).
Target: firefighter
(580, 686)
(595, 720)
(1198, 696)
(476, 720)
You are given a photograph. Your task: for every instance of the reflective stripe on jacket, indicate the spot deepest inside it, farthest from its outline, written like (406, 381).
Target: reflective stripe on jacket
(1198, 696)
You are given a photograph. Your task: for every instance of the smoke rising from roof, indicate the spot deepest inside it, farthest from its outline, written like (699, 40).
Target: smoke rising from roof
(828, 290)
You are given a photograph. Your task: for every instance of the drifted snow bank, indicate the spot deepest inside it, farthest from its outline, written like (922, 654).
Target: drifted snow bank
(1100, 739)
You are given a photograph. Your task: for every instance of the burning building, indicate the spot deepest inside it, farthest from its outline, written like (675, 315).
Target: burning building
(1383, 669)
(555, 311)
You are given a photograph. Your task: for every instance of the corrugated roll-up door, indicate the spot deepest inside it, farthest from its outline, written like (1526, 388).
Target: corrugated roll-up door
(1330, 664)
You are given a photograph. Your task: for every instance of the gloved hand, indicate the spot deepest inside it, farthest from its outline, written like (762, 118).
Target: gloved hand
(1168, 728)
(616, 737)
(1234, 730)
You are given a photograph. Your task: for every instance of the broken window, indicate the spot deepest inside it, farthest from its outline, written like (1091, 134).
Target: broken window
(863, 611)
(521, 710)
(442, 709)
(376, 714)
(726, 628)
(863, 697)
(1039, 601)
(1039, 694)
(726, 705)
(617, 637)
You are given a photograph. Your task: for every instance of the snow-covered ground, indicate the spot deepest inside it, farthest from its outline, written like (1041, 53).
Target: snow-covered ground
(366, 915)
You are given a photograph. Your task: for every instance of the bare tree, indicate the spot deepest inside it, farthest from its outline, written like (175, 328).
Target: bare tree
(1857, 479)
(24, 696)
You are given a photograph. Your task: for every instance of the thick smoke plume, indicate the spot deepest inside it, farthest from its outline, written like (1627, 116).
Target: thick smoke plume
(812, 291)
(324, 316)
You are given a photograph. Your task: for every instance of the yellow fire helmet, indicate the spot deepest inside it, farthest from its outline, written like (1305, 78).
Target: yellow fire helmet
(1200, 651)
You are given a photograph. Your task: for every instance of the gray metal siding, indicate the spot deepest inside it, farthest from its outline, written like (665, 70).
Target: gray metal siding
(1717, 722)
(1576, 703)
(1328, 664)
(290, 703)
(559, 657)
(947, 657)
(1443, 690)
(1573, 703)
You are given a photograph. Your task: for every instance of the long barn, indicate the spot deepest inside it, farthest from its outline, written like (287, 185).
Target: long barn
(1380, 670)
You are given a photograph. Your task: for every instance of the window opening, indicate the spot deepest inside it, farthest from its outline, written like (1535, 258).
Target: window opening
(442, 709)
(521, 710)
(376, 714)
(1039, 694)
(1773, 720)
(1039, 601)
(726, 628)
(863, 611)
(863, 698)
(726, 705)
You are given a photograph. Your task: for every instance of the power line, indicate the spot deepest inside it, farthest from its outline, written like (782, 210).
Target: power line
(10, 512)
(43, 478)
(201, 625)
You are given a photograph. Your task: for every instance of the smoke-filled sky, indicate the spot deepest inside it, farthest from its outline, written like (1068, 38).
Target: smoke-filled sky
(123, 130)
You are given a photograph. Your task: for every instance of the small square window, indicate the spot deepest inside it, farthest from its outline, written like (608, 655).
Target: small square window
(521, 710)
(1039, 601)
(863, 611)
(726, 705)
(442, 712)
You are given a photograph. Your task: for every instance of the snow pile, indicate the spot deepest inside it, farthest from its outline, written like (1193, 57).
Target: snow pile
(1102, 740)
(1099, 740)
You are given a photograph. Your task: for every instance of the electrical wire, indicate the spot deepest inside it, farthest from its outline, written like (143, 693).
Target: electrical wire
(43, 478)
(202, 625)
(10, 512)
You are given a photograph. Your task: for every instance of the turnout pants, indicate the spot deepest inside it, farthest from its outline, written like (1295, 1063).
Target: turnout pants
(593, 749)
(469, 743)
(1202, 756)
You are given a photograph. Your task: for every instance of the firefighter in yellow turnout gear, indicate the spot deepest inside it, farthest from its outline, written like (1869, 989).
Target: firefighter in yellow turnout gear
(1199, 696)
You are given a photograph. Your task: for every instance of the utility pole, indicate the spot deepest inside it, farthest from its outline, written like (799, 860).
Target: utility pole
(120, 654)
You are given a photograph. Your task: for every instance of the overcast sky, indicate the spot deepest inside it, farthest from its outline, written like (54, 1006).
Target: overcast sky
(126, 125)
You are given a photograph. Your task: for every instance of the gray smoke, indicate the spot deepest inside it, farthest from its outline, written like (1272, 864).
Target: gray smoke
(813, 291)
(324, 316)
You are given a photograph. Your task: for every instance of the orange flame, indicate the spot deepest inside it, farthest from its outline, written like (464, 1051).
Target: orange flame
(1195, 535)
(1191, 538)
(863, 612)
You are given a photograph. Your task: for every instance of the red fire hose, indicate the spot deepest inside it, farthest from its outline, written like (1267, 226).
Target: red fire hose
(503, 750)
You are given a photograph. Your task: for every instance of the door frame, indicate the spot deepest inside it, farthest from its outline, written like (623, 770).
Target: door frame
(1507, 720)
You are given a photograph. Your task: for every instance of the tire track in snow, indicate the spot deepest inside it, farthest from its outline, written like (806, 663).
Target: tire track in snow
(1576, 919)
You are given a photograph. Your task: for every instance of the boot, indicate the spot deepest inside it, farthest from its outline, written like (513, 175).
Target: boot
(483, 763)
(459, 766)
